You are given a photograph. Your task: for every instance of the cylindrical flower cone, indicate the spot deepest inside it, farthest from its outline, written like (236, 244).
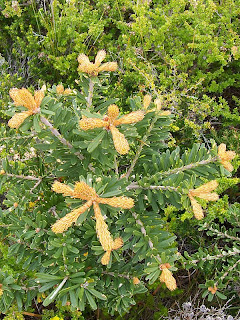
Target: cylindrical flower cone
(209, 196)
(197, 209)
(18, 119)
(103, 233)
(59, 89)
(120, 142)
(62, 188)
(146, 101)
(106, 258)
(108, 66)
(132, 117)
(64, 223)
(38, 97)
(227, 165)
(100, 57)
(136, 281)
(205, 188)
(91, 123)
(118, 202)
(22, 97)
(84, 191)
(82, 58)
(167, 277)
(113, 111)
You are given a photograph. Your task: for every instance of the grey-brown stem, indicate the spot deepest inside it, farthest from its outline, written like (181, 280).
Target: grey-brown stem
(143, 230)
(90, 93)
(59, 136)
(135, 185)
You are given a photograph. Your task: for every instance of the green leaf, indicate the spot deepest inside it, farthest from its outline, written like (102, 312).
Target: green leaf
(36, 124)
(90, 300)
(52, 296)
(220, 295)
(97, 294)
(96, 141)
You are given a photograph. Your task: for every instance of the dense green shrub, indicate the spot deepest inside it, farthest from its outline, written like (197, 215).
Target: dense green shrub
(191, 47)
(77, 265)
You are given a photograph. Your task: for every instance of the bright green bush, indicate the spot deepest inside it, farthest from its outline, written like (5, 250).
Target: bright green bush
(73, 267)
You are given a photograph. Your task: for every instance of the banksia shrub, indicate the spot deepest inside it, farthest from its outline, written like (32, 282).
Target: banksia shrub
(84, 209)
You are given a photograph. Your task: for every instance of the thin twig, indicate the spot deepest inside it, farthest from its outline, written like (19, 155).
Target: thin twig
(227, 272)
(116, 165)
(225, 235)
(144, 232)
(22, 177)
(189, 166)
(59, 136)
(135, 185)
(143, 142)
(35, 186)
(18, 137)
(118, 275)
(218, 256)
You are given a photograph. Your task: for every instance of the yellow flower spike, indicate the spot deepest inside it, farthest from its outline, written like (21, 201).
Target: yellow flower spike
(205, 188)
(2, 172)
(94, 68)
(225, 157)
(110, 122)
(197, 208)
(146, 101)
(67, 91)
(22, 97)
(85, 192)
(202, 192)
(118, 202)
(64, 223)
(104, 235)
(1, 292)
(158, 103)
(113, 111)
(59, 89)
(83, 59)
(120, 142)
(62, 188)
(18, 119)
(91, 123)
(109, 66)
(132, 117)
(167, 277)
(136, 281)
(101, 55)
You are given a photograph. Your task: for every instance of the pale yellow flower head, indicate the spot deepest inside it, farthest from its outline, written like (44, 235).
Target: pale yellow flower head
(85, 192)
(213, 290)
(60, 90)
(225, 157)
(202, 192)
(22, 97)
(109, 122)
(167, 277)
(93, 69)
(158, 106)
(136, 280)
